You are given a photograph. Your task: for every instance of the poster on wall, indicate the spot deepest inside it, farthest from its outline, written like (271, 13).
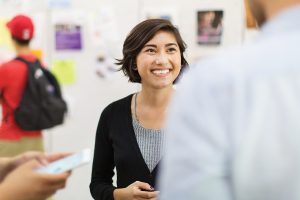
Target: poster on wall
(68, 30)
(105, 66)
(11, 3)
(59, 3)
(209, 27)
(5, 38)
(6, 47)
(68, 37)
(168, 13)
(38, 53)
(64, 71)
(103, 27)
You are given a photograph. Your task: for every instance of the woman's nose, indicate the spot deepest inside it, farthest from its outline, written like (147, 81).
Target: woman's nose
(161, 59)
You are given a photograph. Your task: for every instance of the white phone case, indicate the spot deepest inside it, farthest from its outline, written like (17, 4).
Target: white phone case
(68, 163)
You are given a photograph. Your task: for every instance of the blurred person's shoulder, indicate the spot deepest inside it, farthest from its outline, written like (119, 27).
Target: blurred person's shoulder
(12, 65)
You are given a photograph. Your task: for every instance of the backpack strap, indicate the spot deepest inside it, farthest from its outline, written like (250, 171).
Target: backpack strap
(27, 62)
(5, 118)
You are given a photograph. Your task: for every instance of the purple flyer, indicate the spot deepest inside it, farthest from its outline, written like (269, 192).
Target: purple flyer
(68, 37)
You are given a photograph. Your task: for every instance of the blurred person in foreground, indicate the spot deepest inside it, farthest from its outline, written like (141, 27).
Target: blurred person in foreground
(233, 130)
(19, 181)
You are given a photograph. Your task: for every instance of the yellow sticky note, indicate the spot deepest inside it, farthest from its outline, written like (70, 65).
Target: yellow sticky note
(64, 71)
(38, 53)
(5, 38)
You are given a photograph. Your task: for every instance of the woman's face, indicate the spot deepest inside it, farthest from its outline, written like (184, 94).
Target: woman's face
(159, 62)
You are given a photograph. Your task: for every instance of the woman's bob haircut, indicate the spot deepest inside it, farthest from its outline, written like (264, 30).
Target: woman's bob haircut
(136, 40)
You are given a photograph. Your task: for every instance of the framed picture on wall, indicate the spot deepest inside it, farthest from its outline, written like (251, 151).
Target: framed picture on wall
(209, 27)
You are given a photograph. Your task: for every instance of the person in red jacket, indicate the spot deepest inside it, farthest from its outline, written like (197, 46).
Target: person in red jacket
(13, 77)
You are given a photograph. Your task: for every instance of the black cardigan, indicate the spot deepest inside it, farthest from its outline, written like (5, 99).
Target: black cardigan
(116, 146)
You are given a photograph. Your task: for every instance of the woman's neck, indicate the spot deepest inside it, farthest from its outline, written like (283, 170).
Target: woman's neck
(155, 97)
(150, 106)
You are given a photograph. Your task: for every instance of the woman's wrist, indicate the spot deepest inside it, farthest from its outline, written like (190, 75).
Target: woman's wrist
(118, 194)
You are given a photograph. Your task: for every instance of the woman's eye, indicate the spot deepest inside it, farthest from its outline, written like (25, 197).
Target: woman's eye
(150, 50)
(172, 50)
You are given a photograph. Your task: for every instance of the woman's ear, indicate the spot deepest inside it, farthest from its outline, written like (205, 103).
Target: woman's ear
(134, 67)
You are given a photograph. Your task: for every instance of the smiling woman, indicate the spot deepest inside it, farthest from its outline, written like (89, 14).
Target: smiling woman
(130, 133)
(159, 62)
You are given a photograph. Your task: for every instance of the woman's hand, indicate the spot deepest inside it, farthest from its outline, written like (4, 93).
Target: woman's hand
(136, 191)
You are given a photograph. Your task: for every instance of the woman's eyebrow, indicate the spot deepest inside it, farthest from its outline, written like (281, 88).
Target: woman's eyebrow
(171, 44)
(151, 45)
(155, 46)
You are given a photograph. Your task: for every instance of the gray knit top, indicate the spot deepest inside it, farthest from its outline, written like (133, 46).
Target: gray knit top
(151, 142)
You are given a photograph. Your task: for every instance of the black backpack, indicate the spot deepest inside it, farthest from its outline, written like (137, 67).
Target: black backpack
(41, 105)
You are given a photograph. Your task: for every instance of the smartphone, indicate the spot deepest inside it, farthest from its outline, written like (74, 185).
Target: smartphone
(68, 163)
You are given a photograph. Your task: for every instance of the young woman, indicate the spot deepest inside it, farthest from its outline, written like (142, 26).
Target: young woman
(130, 132)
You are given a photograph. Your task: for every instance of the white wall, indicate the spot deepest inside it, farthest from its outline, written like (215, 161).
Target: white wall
(90, 94)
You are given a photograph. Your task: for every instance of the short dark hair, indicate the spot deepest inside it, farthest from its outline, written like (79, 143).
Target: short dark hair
(136, 40)
(21, 42)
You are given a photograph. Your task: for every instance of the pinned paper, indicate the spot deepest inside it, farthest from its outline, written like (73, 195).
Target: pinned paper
(168, 13)
(5, 38)
(38, 53)
(64, 71)
(59, 3)
(68, 37)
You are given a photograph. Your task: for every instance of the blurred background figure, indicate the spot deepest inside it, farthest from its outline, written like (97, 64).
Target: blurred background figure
(13, 78)
(233, 131)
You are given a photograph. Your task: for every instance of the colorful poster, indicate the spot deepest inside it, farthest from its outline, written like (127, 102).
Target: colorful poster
(5, 38)
(210, 27)
(64, 71)
(68, 37)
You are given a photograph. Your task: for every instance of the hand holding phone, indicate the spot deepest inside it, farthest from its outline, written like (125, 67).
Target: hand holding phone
(68, 163)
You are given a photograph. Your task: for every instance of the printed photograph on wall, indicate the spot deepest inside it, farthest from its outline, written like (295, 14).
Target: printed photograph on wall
(210, 27)
(68, 37)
